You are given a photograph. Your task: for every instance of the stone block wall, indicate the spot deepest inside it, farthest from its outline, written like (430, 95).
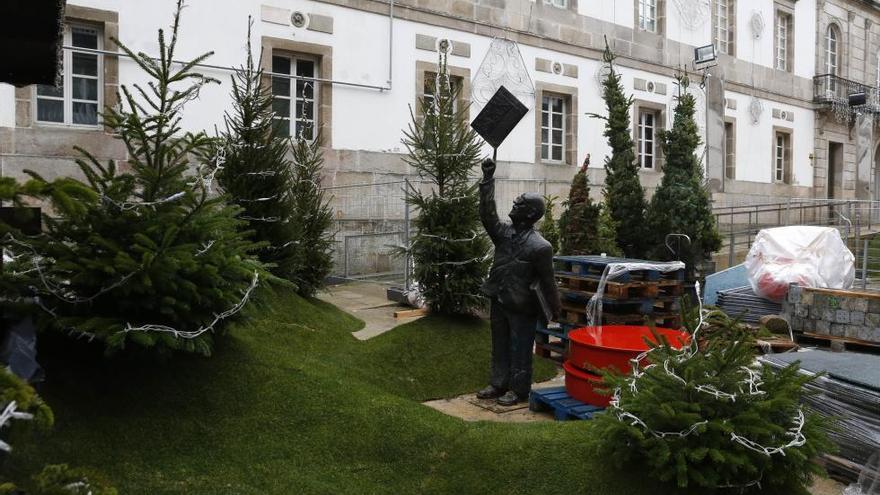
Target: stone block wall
(846, 314)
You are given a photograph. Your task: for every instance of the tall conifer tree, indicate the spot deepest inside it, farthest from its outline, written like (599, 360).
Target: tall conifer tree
(623, 191)
(449, 249)
(682, 204)
(579, 222)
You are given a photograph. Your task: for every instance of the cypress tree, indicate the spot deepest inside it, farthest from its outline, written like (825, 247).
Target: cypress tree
(579, 223)
(449, 249)
(682, 204)
(623, 191)
(256, 174)
(146, 255)
(311, 211)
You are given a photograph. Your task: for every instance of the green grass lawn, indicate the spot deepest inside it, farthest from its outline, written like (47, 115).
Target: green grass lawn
(291, 403)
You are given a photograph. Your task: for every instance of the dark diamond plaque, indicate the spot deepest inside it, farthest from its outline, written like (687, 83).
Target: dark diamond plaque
(500, 115)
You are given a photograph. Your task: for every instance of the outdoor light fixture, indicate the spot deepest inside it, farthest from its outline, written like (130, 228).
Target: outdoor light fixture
(704, 55)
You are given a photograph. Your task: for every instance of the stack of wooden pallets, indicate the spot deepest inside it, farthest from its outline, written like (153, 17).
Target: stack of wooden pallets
(639, 297)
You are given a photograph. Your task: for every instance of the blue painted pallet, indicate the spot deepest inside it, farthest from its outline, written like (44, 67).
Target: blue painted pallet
(563, 406)
(642, 305)
(595, 265)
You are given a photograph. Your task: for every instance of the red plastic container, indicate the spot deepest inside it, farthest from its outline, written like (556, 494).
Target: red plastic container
(584, 386)
(612, 346)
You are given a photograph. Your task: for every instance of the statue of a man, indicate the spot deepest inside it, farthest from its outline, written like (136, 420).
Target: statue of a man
(521, 287)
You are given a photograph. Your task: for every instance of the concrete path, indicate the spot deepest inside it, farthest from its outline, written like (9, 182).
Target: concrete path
(469, 408)
(368, 302)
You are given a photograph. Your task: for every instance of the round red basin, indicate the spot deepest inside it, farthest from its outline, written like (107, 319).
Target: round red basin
(612, 346)
(584, 386)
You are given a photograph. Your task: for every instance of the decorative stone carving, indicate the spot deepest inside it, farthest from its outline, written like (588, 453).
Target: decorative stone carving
(298, 19)
(756, 23)
(693, 13)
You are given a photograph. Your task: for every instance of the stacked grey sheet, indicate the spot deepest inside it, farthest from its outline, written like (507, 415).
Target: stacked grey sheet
(743, 303)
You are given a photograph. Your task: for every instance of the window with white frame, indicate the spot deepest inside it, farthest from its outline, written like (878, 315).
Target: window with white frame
(782, 157)
(75, 101)
(562, 4)
(783, 41)
(553, 128)
(832, 64)
(648, 15)
(455, 86)
(647, 138)
(294, 98)
(729, 150)
(723, 14)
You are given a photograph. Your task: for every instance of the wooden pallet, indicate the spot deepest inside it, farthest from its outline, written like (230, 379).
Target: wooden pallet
(577, 315)
(552, 344)
(644, 305)
(564, 407)
(621, 290)
(595, 266)
(849, 344)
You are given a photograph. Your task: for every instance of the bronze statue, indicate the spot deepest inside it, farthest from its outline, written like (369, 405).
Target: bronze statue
(521, 287)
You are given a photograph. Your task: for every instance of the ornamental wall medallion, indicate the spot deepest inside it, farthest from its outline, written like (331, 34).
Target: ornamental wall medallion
(756, 23)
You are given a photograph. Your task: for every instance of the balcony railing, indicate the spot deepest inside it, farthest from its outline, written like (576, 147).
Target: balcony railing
(834, 90)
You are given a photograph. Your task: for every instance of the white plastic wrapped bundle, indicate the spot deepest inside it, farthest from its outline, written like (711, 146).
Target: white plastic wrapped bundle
(807, 256)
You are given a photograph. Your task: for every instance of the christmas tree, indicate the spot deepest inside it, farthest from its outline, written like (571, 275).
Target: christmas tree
(712, 418)
(579, 223)
(147, 256)
(312, 212)
(607, 232)
(549, 228)
(624, 195)
(449, 249)
(256, 174)
(681, 204)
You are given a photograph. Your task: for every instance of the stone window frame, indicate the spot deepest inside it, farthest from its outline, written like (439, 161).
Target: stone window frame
(787, 170)
(570, 94)
(729, 164)
(731, 27)
(463, 74)
(659, 19)
(323, 55)
(787, 10)
(660, 125)
(107, 21)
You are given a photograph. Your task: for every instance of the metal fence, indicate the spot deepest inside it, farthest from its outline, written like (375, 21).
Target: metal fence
(373, 224)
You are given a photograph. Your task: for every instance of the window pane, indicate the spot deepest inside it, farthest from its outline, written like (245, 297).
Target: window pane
(306, 111)
(50, 110)
(545, 103)
(85, 64)
(545, 152)
(85, 113)
(304, 130)
(557, 153)
(557, 105)
(281, 65)
(305, 89)
(545, 119)
(280, 86)
(648, 161)
(557, 120)
(84, 89)
(557, 137)
(305, 68)
(283, 126)
(281, 107)
(545, 135)
(44, 90)
(85, 37)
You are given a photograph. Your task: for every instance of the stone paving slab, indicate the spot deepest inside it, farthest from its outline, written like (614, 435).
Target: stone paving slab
(367, 301)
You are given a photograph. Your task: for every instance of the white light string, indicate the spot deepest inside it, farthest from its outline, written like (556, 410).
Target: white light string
(613, 270)
(205, 247)
(260, 219)
(192, 334)
(9, 413)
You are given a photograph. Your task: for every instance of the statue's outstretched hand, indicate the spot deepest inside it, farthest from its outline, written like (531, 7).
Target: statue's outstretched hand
(488, 168)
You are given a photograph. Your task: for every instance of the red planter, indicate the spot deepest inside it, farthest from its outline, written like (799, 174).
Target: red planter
(584, 386)
(612, 346)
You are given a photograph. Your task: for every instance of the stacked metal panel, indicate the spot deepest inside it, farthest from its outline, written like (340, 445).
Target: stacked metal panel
(743, 303)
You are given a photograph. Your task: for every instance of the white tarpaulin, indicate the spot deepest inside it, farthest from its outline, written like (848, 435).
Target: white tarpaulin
(808, 256)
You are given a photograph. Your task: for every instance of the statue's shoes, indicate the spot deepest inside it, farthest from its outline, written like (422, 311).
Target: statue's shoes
(508, 399)
(490, 392)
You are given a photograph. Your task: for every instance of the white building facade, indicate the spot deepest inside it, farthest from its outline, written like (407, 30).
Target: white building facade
(371, 60)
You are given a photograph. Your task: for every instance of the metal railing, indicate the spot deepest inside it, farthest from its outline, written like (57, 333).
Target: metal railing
(833, 89)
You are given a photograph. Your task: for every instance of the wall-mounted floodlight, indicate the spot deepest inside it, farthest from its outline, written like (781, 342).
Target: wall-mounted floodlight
(704, 55)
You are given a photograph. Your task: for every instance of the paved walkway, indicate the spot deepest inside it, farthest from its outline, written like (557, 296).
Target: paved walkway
(368, 302)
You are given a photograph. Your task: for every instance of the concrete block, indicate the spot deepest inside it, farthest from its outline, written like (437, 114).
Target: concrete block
(461, 49)
(801, 311)
(640, 84)
(425, 42)
(828, 315)
(857, 318)
(660, 88)
(543, 65)
(853, 331)
(872, 320)
(820, 327)
(874, 306)
(275, 15)
(841, 316)
(859, 305)
(838, 329)
(570, 70)
(794, 293)
(807, 298)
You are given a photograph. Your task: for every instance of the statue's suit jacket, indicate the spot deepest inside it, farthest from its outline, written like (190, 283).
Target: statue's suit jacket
(521, 259)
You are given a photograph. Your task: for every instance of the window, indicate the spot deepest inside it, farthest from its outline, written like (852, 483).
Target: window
(647, 138)
(648, 15)
(783, 41)
(298, 106)
(553, 128)
(723, 15)
(832, 64)
(455, 86)
(75, 102)
(729, 150)
(562, 4)
(782, 157)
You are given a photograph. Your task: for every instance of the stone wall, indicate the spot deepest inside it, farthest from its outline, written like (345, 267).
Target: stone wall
(845, 314)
